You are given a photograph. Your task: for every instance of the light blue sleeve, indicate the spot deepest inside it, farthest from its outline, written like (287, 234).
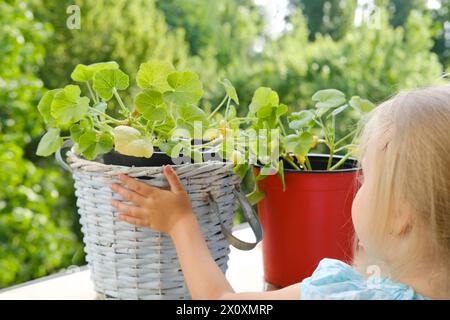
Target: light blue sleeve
(336, 280)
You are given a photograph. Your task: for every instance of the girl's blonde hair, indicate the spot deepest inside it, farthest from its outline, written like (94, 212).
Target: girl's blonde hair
(413, 172)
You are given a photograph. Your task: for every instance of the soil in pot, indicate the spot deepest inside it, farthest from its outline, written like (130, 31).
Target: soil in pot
(158, 159)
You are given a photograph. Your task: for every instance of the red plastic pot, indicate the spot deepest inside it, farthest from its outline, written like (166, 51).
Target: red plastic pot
(309, 221)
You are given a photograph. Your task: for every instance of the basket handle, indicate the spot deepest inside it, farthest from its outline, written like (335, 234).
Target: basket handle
(58, 157)
(250, 216)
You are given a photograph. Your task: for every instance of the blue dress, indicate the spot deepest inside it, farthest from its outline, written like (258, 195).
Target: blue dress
(336, 280)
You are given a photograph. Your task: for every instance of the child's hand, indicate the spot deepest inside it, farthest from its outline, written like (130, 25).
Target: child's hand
(154, 208)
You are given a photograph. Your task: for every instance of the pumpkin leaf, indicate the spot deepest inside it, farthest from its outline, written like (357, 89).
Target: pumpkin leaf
(91, 144)
(230, 90)
(77, 130)
(299, 144)
(67, 106)
(106, 82)
(301, 119)
(44, 107)
(255, 196)
(263, 97)
(191, 113)
(153, 75)
(83, 73)
(49, 143)
(362, 105)
(328, 99)
(339, 110)
(186, 88)
(151, 105)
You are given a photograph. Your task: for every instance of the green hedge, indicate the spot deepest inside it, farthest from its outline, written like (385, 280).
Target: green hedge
(36, 206)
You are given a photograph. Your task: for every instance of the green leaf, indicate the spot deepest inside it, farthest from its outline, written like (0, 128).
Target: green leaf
(290, 142)
(339, 110)
(183, 129)
(301, 119)
(165, 128)
(231, 113)
(85, 140)
(361, 105)
(91, 144)
(153, 75)
(266, 111)
(77, 130)
(49, 143)
(263, 97)
(196, 156)
(83, 73)
(186, 88)
(151, 104)
(191, 113)
(230, 90)
(282, 109)
(328, 99)
(106, 82)
(101, 106)
(255, 196)
(167, 146)
(68, 107)
(44, 107)
(241, 169)
(281, 174)
(105, 143)
(299, 144)
(304, 144)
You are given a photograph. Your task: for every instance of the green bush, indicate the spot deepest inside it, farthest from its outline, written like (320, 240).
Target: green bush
(371, 61)
(36, 236)
(128, 32)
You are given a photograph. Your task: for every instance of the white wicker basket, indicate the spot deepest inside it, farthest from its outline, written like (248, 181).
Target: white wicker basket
(128, 262)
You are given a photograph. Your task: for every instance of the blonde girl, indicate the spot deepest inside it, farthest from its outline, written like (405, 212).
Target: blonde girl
(401, 213)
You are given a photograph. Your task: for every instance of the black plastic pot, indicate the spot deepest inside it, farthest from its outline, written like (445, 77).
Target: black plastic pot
(158, 159)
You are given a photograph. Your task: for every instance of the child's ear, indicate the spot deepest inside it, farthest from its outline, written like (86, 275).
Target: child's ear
(403, 220)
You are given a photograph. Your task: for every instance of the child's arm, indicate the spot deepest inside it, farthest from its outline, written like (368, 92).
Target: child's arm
(204, 278)
(171, 212)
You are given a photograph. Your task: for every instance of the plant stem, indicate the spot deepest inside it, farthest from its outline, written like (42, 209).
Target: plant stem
(121, 104)
(115, 121)
(345, 138)
(341, 162)
(218, 108)
(344, 147)
(282, 127)
(228, 106)
(292, 163)
(330, 159)
(209, 143)
(325, 130)
(307, 163)
(246, 119)
(99, 125)
(94, 97)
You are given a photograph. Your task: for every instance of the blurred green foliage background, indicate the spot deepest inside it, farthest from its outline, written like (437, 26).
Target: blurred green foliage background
(367, 48)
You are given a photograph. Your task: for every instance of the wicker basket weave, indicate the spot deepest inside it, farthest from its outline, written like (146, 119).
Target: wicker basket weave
(129, 262)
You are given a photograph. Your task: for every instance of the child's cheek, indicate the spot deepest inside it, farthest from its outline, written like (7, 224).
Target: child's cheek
(358, 214)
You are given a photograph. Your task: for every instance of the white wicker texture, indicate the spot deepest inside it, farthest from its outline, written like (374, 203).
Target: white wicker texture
(129, 262)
